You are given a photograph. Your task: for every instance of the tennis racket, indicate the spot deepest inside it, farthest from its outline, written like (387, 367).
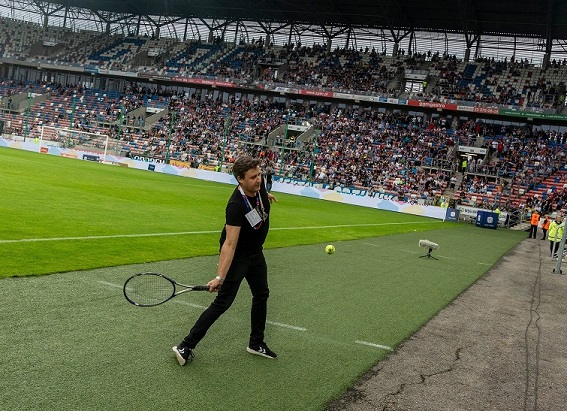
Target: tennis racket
(151, 289)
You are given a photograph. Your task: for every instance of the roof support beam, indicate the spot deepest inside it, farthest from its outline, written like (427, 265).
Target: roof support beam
(549, 26)
(548, 34)
(398, 37)
(469, 23)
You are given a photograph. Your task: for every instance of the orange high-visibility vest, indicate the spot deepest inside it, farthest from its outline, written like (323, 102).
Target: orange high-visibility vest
(545, 224)
(535, 219)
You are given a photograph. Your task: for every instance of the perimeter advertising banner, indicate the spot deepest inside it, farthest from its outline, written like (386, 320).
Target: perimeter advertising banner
(452, 214)
(432, 104)
(472, 212)
(316, 93)
(202, 81)
(479, 110)
(487, 219)
(528, 114)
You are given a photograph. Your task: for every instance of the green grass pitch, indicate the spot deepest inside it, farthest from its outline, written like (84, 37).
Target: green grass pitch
(71, 341)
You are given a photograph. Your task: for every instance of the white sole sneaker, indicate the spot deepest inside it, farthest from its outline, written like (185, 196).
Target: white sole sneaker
(180, 359)
(260, 353)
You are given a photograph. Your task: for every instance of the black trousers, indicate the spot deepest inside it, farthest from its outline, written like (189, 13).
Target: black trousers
(533, 231)
(255, 271)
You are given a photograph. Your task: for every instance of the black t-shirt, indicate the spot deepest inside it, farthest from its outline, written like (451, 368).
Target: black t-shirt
(250, 240)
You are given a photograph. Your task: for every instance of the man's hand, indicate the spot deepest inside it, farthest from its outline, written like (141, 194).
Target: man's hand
(272, 198)
(214, 285)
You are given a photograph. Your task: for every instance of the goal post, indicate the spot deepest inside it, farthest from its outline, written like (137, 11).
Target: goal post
(73, 139)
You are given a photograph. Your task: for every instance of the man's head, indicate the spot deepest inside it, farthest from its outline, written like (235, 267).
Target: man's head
(247, 172)
(242, 165)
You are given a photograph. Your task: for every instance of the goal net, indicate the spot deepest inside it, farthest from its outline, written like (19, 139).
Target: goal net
(74, 139)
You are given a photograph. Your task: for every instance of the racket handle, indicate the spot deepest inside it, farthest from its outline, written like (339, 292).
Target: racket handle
(201, 288)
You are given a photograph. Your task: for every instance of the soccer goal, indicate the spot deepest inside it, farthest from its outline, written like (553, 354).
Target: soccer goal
(75, 139)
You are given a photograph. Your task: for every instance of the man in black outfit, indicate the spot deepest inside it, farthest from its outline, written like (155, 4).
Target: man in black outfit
(241, 257)
(269, 179)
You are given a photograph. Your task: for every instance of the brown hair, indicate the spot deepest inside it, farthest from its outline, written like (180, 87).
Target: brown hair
(243, 164)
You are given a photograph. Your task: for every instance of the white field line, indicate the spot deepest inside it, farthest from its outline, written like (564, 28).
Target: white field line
(102, 237)
(201, 307)
(110, 284)
(382, 347)
(410, 252)
(291, 327)
(372, 244)
(378, 245)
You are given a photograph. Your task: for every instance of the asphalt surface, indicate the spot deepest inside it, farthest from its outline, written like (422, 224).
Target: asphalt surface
(501, 345)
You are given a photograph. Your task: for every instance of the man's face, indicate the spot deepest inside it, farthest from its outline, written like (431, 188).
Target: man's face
(251, 182)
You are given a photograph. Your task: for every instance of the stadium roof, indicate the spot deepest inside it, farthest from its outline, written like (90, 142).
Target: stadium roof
(546, 19)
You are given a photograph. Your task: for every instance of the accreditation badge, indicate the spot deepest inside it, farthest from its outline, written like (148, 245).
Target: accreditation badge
(253, 218)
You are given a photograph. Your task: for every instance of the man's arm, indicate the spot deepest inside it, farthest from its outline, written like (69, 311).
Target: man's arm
(226, 256)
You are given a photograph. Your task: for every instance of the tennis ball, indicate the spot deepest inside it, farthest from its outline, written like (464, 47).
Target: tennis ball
(330, 249)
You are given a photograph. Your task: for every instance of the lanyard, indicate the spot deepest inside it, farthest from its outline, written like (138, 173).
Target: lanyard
(262, 215)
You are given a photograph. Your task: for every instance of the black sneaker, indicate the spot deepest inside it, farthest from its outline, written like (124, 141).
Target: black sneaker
(261, 349)
(183, 354)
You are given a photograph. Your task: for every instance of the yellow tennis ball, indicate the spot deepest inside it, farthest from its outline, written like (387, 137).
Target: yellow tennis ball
(330, 249)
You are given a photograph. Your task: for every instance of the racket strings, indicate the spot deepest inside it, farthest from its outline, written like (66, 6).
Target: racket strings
(149, 289)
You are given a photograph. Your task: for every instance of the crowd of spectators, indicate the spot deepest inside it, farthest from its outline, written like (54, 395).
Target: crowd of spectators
(338, 69)
(197, 130)
(379, 152)
(520, 161)
(503, 83)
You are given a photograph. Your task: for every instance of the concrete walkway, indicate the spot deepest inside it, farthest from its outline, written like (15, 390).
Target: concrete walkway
(501, 345)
